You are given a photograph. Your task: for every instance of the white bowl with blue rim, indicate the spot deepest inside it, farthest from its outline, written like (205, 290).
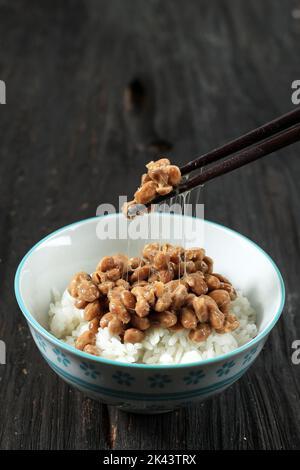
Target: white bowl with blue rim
(139, 387)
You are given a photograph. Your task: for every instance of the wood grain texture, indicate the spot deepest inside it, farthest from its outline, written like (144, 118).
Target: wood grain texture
(214, 70)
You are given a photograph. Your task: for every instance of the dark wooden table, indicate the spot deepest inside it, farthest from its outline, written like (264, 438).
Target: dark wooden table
(211, 70)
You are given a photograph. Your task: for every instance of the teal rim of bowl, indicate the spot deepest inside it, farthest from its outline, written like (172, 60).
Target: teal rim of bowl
(47, 335)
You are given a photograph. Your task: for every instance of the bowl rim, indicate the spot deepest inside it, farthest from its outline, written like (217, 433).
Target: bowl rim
(101, 360)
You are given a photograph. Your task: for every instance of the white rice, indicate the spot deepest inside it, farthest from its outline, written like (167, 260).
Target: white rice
(160, 346)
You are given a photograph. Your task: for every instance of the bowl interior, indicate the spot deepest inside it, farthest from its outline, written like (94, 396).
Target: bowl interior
(53, 261)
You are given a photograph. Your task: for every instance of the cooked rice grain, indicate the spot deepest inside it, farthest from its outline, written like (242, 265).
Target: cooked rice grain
(160, 345)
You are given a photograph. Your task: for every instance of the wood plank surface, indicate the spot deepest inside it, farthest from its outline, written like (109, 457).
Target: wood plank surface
(211, 70)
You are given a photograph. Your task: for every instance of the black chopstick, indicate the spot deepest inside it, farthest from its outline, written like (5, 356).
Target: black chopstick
(263, 132)
(276, 142)
(287, 137)
(266, 139)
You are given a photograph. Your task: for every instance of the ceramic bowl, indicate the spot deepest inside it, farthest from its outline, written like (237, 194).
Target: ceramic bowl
(139, 387)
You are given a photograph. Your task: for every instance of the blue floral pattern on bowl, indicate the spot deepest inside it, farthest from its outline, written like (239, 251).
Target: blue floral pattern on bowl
(225, 369)
(61, 357)
(89, 370)
(41, 342)
(156, 391)
(123, 378)
(249, 356)
(159, 380)
(193, 377)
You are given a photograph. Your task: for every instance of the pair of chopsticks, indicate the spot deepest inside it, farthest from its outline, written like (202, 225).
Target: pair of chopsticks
(272, 136)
